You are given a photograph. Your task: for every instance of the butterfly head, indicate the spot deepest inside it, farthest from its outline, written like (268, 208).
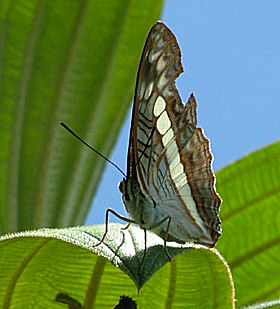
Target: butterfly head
(135, 203)
(129, 189)
(130, 192)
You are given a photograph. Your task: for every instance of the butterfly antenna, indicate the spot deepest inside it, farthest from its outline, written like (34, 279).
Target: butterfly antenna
(146, 146)
(100, 154)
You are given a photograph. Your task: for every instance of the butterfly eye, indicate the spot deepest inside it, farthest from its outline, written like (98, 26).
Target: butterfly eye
(121, 186)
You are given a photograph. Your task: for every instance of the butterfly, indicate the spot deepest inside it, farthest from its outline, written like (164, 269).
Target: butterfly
(170, 186)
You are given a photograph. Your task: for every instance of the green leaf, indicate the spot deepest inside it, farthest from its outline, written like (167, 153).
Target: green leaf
(250, 216)
(41, 265)
(71, 61)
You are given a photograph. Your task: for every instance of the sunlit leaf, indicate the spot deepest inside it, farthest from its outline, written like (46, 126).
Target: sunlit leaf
(43, 264)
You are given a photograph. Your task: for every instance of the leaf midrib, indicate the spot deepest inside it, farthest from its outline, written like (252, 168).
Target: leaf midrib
(255, 164)
(20, 269)
(257, 250)
(15, 147)
(40, 216)
(250, 203)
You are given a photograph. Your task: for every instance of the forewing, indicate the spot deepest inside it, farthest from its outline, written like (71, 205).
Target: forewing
(160, 65)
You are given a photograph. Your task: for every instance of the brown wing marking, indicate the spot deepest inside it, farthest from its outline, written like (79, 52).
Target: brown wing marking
(197, 160)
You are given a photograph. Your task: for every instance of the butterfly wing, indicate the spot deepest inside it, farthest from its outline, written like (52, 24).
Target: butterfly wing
(168, 155)
(160, 46)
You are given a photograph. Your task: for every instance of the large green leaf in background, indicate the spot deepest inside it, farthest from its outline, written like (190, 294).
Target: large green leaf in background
(250, 216)
(73, 61)
(40, 267)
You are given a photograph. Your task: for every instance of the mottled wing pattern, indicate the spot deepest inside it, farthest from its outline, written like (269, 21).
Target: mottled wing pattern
(168, 155)
(151, 87)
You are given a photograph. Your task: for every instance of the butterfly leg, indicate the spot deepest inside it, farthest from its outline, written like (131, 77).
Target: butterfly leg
(165, 239)
(126, 227)
(145, 251)
(165, 234)
(107, 223)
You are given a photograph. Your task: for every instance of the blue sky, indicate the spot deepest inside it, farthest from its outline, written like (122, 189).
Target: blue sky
(231, 59)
